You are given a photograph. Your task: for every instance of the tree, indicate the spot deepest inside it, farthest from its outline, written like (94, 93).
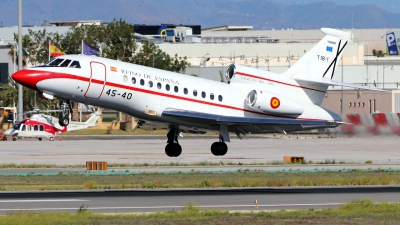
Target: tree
(150, 53)
(39, 48)
(13, 53)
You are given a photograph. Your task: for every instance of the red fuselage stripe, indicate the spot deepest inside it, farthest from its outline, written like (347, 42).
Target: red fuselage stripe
(74, 77)
(278, 82)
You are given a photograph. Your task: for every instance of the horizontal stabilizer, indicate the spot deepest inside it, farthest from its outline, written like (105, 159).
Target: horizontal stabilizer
(325, 81)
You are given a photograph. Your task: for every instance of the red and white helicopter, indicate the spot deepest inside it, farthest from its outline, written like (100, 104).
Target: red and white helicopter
(42, 126)
(253, 101)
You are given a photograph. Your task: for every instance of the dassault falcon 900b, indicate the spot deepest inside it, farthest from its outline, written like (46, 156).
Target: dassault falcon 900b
(253, 101)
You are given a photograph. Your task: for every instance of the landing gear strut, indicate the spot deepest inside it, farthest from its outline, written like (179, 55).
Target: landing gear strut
(219, 148)
(173, 148)
(64, 116)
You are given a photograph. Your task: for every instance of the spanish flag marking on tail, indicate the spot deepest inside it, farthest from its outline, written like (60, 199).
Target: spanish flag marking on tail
(113, 69)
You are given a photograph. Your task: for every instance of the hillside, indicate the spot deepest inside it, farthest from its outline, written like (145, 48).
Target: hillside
(261, 14)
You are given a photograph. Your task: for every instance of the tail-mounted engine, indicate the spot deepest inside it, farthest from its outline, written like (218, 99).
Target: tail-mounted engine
(270, 103)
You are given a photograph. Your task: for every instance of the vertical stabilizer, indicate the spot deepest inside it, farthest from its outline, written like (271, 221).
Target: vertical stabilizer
(324, 57)
(320, 62)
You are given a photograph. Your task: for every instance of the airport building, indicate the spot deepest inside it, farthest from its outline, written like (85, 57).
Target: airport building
(211, 50)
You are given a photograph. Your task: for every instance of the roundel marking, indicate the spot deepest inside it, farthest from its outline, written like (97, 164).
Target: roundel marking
(275, 103)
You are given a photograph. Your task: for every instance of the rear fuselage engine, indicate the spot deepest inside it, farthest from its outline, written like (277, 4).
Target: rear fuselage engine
(264, 101)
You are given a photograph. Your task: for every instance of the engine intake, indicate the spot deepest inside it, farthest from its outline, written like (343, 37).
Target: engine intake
(270, 103)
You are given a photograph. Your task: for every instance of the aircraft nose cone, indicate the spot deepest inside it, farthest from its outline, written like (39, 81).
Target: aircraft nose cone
(29, 78)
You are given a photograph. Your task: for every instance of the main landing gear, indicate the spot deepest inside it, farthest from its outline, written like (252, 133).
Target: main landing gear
(219, 148)
(64, 116)
(174, 149)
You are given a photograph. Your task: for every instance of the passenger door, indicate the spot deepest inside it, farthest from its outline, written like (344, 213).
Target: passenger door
(97, 80)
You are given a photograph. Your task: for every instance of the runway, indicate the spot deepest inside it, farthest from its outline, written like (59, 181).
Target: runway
(383, 151)
(380, 150)
(130, 201)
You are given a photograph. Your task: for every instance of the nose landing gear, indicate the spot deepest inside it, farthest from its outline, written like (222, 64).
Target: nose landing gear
(64, 116)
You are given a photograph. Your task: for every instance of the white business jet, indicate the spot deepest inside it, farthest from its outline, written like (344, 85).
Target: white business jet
(253, 101)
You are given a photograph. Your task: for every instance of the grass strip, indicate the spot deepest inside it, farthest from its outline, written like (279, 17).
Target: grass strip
(204, 163)
(195, 179)
(356, 212)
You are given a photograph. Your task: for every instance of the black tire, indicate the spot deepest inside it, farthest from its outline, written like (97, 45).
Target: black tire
(219, 148)
(63, 121)
(40, 139)
(173, 150)
(14, 139)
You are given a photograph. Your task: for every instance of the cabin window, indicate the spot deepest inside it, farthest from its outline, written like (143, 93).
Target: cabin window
(167, 87)
(65, 63)
(203, 94)
(150, 83)
(141, 82)
(176, 89)
(23, 127)
(35, 127)
(41, 127)
(133, 80)
(75, 64)
(159, 86)
(212, 96)
(220, 98)
(185, 91)
(194, 92)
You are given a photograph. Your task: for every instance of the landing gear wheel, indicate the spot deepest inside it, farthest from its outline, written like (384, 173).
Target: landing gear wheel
(173, 150)
(14, 139)
(40, 139)
(64, 121)
(219, 148)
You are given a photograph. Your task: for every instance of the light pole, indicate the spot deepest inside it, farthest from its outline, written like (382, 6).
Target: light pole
(201, 61)
(153, 54)
(20, 90)
(384, 67)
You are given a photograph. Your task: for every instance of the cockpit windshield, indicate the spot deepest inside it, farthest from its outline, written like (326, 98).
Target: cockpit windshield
(16, 126)
(58, 62)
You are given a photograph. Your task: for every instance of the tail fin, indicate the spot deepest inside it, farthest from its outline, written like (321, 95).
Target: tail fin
(92, 120)
(323, 58)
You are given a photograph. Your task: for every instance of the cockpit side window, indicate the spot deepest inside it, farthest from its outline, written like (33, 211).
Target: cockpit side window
(65, 63)
(55, 62)
(75, 64)
(16, 126)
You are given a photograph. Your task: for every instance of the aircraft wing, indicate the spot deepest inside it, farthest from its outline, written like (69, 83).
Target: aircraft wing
(249, 124)
(321, 80)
